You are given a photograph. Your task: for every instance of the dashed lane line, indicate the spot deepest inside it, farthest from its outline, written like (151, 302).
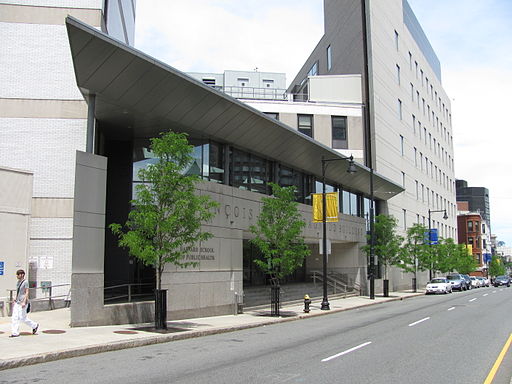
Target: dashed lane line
(347, 351)
(419, 321)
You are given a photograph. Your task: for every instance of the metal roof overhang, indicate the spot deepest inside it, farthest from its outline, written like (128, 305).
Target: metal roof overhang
(139, 96)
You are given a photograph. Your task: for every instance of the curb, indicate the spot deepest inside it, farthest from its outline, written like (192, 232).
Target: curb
(152, 340)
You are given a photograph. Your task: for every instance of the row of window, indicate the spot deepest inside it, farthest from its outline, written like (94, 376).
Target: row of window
(433, 199)
(428, 166)
(474, 226)
(432, 143)
(429, 141)
(419, 74)
(224, 164)
(338, 128)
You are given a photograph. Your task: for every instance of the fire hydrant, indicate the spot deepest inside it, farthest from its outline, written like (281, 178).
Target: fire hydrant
(307, 302)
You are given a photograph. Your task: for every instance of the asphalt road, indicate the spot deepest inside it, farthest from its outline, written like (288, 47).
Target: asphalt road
(453, 338)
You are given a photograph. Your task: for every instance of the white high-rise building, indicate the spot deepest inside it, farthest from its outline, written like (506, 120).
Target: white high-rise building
(409, 111)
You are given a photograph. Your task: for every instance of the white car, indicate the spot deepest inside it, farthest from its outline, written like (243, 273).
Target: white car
(438, 285)
(475, 283)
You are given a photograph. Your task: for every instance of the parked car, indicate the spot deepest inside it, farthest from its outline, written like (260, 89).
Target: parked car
(468, 281)
(438, 285)
(502, 280)
(475, 283)
(483, 282)
(487, 281)
(457, 281)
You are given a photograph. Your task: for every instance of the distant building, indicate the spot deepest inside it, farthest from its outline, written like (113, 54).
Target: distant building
(473, 231)
(477, 198)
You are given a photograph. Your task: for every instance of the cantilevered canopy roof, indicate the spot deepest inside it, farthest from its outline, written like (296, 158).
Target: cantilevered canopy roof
(139, 96)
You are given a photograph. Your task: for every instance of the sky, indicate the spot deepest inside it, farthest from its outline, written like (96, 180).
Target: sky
(472, 39)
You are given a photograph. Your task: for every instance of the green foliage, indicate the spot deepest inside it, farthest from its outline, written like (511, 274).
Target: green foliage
(465, 262)
(415, 251)
(278, 234)
(167, 214)
(387, 243)
(497, 267)
(449, 257)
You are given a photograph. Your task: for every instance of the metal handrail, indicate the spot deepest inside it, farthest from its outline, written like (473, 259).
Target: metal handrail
(333, 280)
(129, 295)
(48, 291)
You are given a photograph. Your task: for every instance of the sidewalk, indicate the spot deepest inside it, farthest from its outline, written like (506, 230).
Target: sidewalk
(57, 340)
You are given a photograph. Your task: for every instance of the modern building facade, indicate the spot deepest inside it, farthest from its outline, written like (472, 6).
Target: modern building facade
(238, 151)
(43, 120)
(409, 136)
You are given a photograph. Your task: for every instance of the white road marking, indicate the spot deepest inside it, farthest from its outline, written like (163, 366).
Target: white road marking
(419, 321)
(493, 291)
(347, 351)
(451, 309)
(485, 294)
(473, 299)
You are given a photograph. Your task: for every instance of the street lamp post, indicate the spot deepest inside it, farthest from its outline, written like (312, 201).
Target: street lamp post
(351, 169)
(445, 216)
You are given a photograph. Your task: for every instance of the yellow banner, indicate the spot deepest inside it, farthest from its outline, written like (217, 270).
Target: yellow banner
(331, 202)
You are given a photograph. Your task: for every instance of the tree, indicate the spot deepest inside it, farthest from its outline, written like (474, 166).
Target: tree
(415, 252)
(278, 234)
(167, 214)
(496, 267)
(465, 261)
(387, 242)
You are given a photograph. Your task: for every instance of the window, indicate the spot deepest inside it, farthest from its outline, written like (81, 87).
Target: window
(339, 132)
(400, 109)
(415, 157)
(305, 124)
(412, 92)
(398, 74)
(414, 123)
(401, 145)
(403, 179)
(209, 81)
(267, 83)
(242, 81)
(396, 40)
(405, 218)
(273, 115)
(329, 58)
(410, 61)
(314, 69)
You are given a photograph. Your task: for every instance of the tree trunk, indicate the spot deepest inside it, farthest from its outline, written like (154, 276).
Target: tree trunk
(161, 308)
(160, 301)
(275, 291)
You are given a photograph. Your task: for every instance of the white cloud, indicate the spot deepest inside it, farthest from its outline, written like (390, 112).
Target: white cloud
(212, 36)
